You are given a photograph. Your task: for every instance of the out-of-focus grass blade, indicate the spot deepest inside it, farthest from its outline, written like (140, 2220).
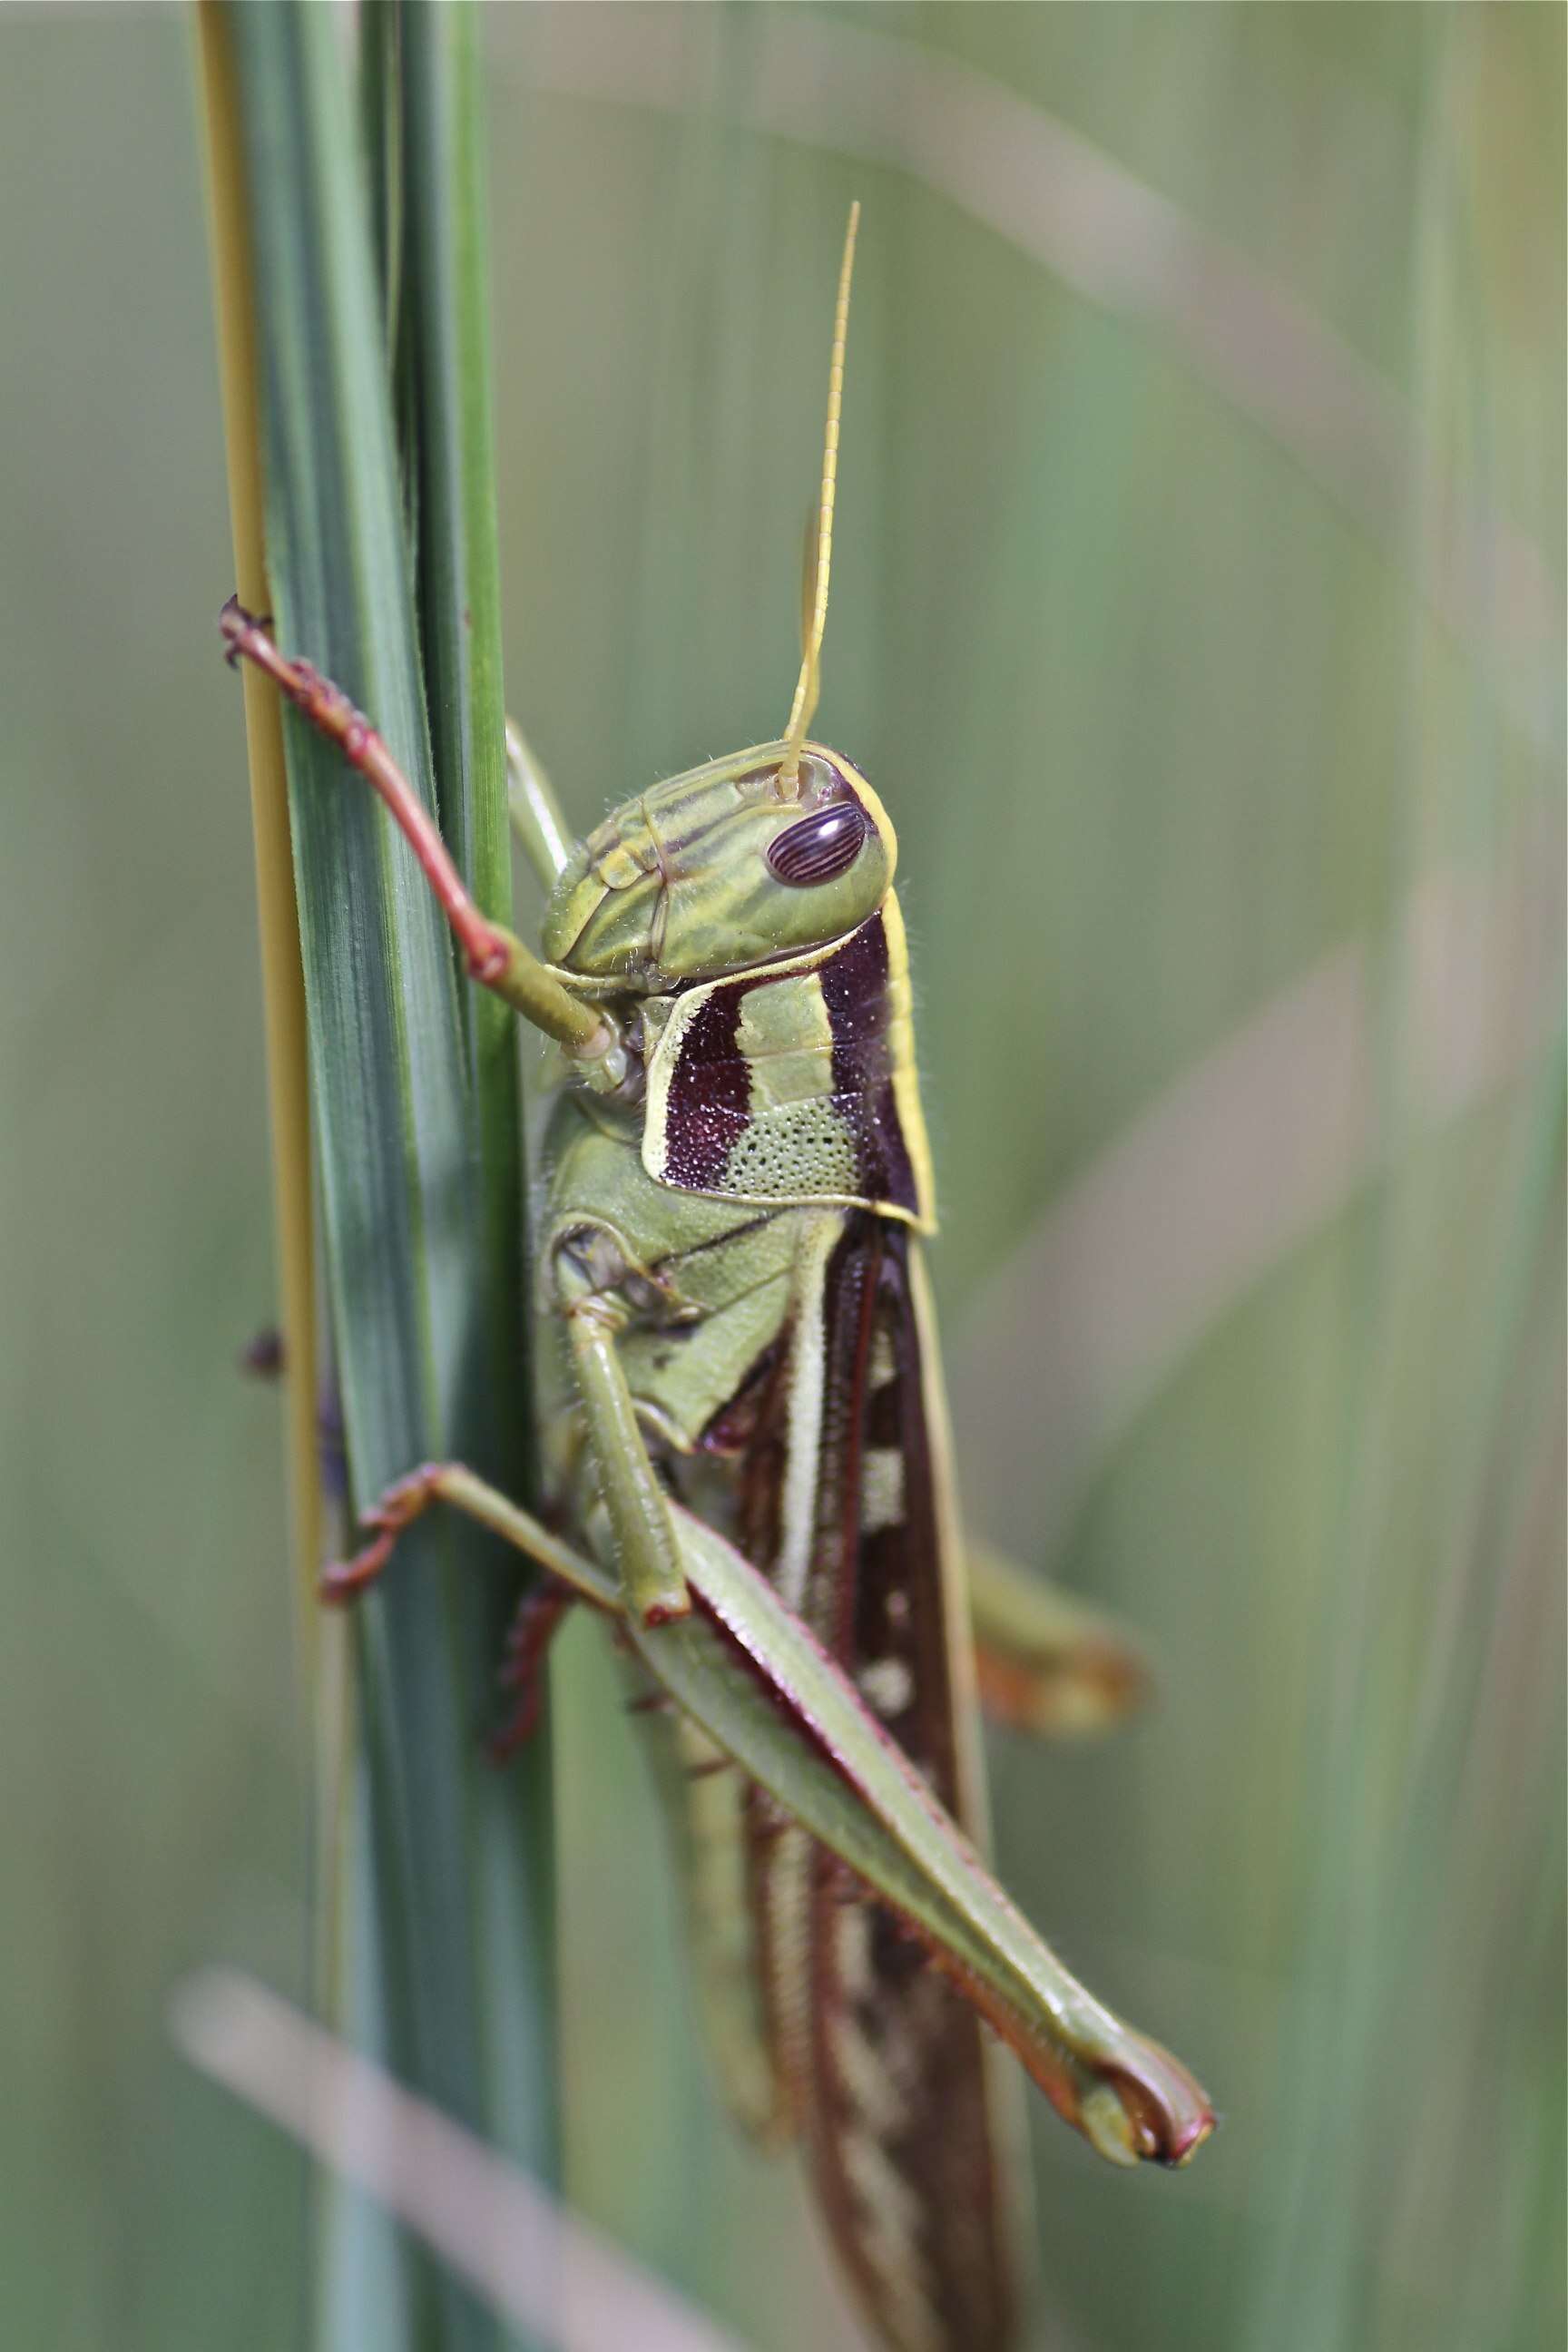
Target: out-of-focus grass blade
(413, 1172)
(525, 2253)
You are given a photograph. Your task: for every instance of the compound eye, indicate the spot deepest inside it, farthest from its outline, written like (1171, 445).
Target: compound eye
(821, 847)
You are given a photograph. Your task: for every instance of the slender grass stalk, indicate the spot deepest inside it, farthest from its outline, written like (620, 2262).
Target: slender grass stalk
(324, 1644)
(283, 983)
(448, 1908)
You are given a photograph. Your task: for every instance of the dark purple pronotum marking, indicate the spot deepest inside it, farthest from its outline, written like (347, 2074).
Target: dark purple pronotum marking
(710, 1105)
(710, 1097)
(854, 988)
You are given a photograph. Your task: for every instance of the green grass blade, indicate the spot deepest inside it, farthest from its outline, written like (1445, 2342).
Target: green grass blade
(444, 313)
(412, 1169)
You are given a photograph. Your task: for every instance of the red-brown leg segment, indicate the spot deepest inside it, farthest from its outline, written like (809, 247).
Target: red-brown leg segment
(496, 957)
(539, 1614)
(409, 1498)
(404, 1502)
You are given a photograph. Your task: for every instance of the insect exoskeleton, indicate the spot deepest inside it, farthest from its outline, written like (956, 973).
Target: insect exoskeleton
(723, 868)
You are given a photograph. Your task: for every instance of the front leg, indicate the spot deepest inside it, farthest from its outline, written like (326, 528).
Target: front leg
(496, 957)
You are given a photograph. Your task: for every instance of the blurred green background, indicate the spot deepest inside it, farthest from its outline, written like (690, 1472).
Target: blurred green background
(1197, 613)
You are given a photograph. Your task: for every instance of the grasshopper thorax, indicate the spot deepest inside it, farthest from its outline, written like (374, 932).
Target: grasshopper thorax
(725, 867)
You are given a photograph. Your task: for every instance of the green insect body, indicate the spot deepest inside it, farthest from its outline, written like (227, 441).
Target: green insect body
(746, 1410)
(747, 1228)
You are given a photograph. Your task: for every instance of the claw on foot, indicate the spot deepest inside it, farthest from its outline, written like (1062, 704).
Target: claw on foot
(343, 1580)
(402, 1504)
(236, 626)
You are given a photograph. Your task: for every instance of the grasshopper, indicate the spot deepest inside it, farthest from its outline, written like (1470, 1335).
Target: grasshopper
(749, 1417)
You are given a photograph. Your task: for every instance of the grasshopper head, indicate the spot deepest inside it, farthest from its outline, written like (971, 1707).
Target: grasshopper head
(723, 867)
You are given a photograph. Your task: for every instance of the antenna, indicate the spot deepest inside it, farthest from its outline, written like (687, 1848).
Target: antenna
(819, 558)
